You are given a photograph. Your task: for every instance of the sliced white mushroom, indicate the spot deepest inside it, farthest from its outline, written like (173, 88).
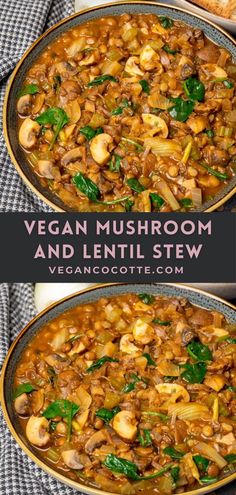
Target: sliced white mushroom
(45, 168)
(37, 400)
(38, 103)
(72, 156)
(99, 148)
(77, 348)
(125, 425)
(127, 346)
(37, 431)
(175, 391)
(149, 59)
(158, 125)
(131, 67)
(73, 111)
(89, 60)
(24, 105)
(28, 133)
(22, 405)
(72, 459)
(142, 331)
(96, 440)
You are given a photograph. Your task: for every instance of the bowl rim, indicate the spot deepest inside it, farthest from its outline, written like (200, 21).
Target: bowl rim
(34, 189)
(48, 469)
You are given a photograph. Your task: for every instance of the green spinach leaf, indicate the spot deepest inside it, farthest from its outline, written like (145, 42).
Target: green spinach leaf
(145, 438)
(147, 298)
(160, 322)
(54, 116)
(166, 22)
(194, 89)
(23, 388)
(128, 205)
(173, 453)
(100, 362)
(101, 79)
(135, 185)
(89, 132)
(174, 472)
(65, 409)
(107, 414)
(149, 359)
(194, 373)
(29, 89)
(186, 202)
(201, 462)
(156, 200)
(115, 162)
(169, 50)
(145, 86)
(129, 469)
(214, 172)
(199, 351)
(208, 479)
(181, 109)
(230, 458)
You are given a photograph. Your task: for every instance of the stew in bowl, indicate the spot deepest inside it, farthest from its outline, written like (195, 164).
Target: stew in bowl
(131, 112)
(132, 392)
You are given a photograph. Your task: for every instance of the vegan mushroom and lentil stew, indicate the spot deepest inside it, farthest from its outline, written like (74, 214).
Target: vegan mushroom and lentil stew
(132, 393)
(131, 113)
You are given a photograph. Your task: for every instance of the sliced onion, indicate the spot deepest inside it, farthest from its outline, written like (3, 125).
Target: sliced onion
(210, 453)
(168, 195)
(196, 194)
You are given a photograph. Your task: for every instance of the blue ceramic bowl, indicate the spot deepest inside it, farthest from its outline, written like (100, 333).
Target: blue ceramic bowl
(197, 297)
(18, 157)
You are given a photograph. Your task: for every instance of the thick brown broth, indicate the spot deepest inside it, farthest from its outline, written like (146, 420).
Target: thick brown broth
(144, 375)
(157, 134)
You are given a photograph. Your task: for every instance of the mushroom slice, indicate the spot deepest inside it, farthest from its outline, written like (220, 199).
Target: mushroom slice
(174, 390)
(72, 459)
(28, 133)
(24, 105)
(22, 405)
(73, 111)
(95, 441)
(88, 60)
(132, 68)
(45, 168)
(37, 431)
(125, 425)
(158, 125)
(38, 103)
(72, 155)
(98, 148)
(37, 400)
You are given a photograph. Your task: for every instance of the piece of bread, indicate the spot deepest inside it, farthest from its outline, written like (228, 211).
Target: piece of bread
(223, 8)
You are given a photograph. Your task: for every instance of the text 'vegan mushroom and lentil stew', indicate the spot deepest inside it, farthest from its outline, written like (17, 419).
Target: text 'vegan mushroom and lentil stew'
(132, 393)
(131, 113)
